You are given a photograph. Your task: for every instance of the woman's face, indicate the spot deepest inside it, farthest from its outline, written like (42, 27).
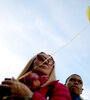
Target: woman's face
(41, 66)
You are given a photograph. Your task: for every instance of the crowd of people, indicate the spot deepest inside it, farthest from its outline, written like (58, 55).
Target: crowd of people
(37, 81)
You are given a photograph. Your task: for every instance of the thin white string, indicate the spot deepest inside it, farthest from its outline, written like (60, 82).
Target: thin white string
(65, 45)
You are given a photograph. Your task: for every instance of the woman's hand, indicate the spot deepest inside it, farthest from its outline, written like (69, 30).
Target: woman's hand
(14, 88)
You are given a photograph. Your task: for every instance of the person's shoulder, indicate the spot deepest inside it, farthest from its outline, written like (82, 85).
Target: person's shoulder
(60, 86)
(57, 86)
(61, 90)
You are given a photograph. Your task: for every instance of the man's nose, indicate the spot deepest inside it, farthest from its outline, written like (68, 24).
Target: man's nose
(76, 82)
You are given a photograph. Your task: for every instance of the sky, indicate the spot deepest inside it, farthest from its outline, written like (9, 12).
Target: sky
(28, 27)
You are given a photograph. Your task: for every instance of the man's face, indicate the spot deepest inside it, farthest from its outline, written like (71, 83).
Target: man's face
(43, 68)
(74, 84)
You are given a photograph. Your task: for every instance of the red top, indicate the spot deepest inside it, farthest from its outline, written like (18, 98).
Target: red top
(52, 91)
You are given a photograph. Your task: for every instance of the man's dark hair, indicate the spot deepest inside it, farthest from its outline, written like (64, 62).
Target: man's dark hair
(72, 75)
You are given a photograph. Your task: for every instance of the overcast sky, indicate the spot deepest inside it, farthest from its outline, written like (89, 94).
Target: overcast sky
(28, 27)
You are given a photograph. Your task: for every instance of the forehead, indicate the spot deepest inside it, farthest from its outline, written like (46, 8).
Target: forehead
(43, 54)
(76, 77)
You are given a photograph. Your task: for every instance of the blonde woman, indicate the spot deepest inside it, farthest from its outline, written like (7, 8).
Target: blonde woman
(39, 84)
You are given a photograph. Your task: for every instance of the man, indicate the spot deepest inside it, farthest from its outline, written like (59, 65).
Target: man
(74, 84)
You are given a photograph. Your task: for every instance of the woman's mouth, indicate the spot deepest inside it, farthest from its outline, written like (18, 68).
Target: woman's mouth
(44, 66)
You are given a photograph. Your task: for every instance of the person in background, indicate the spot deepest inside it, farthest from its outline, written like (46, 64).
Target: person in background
(37, 81)
(74, 83)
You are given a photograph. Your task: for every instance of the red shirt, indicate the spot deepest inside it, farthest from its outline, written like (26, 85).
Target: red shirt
(52, 91)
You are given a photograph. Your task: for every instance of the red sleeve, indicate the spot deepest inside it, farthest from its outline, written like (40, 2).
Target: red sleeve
(38, 96)
(60, 92)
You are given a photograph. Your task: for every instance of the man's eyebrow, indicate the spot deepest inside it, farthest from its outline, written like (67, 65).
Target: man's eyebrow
(80, 80)
(73, 79)
(76, 79)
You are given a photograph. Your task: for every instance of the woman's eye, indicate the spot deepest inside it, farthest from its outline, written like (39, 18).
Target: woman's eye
(41, 57)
